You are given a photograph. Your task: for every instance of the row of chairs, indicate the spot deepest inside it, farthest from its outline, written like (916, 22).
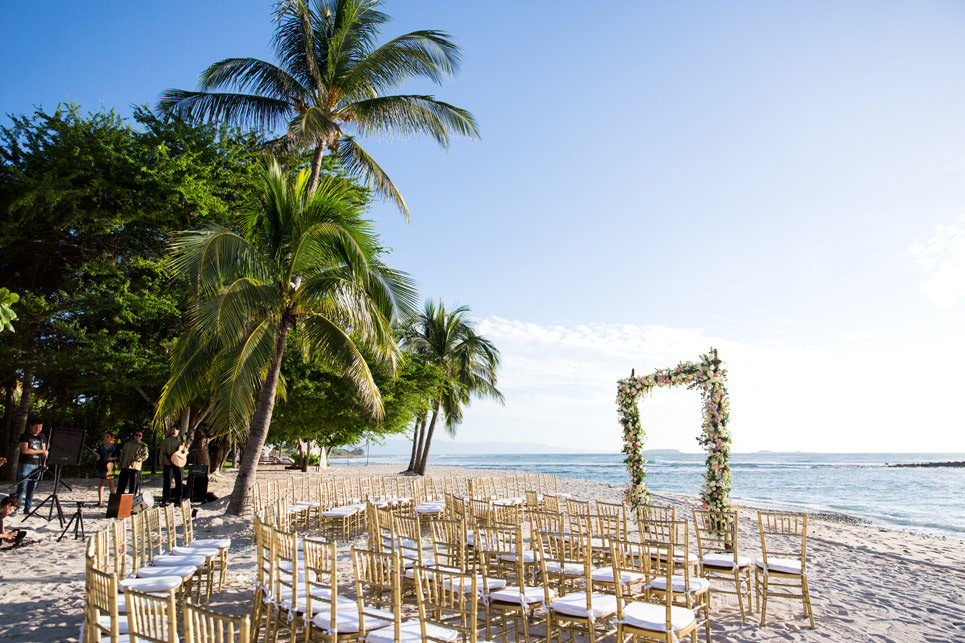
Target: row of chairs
(141, 554)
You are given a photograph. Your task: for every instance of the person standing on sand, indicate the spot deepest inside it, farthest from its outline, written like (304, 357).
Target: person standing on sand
(132, 455)
(106, 457)
(171, 444)
(33, 447)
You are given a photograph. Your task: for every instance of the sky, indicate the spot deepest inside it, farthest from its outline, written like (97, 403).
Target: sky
(782, 181)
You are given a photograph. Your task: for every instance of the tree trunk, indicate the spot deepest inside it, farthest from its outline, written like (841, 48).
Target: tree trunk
(424, 455)
(420, 424)
(20, 423)
(323, 457)
(303, 454)
(200, 445)
(240, 503)
(9, 410)
(316, 166)
(221, 450)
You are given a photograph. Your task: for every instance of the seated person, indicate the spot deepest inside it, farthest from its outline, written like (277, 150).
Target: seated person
(7, 506)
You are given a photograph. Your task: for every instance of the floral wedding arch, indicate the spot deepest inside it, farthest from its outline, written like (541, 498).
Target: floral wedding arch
(709, 377)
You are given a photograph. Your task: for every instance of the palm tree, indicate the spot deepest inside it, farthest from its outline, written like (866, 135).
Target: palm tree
(469, 361)
(306, 258)
(330, 79)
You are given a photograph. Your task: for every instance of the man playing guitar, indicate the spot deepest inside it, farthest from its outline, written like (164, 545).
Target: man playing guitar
(173, 456)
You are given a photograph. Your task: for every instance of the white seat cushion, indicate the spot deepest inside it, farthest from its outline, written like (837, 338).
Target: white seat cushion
(179, 561)
(574, 604)
(218, 543)
(411, 632)
(483, 585)
(195, 551)
(431, 508)
(650, 616)
(781, 565)
(153, 572)
(570, 569)
(512, 594)
(605, 575)
(724, 560)
(341, 512)
(150, 584)
(529, 556)
(697, 584)
(105, 621)
(348, 619)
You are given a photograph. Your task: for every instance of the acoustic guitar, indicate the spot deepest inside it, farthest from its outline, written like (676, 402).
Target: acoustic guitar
(180, 457)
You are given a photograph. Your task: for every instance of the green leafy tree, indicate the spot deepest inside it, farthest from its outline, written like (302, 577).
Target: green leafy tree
(468, 361)
(325, 408)
(7, 316)
(89, 202)
(305, 258)
(330, 81)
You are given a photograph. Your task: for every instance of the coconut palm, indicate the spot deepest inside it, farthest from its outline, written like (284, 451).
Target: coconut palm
(469, 361)
(306, 258)
(331, 80)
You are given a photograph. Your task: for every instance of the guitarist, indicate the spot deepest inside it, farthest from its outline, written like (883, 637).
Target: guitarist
(173, 456)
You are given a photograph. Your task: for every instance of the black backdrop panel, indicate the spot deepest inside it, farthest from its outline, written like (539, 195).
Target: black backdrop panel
(66, 446)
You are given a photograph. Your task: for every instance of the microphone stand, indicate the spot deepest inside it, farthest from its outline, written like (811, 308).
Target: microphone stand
(53, 498)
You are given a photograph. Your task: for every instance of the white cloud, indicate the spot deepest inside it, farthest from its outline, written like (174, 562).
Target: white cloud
(865, 392)
(942, 255)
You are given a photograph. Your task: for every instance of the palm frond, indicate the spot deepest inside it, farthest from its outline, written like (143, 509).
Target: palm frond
(332, 346)
(251, 75)
(244, 109)
(211, 254)
(411, 115)
(426, 54)
(358, 162)
(241, 370)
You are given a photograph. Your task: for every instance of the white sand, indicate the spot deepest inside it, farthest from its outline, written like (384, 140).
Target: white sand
(867, 583)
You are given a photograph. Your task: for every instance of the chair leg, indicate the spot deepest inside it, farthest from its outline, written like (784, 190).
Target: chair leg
(763, 599)
(806, 597)
(740, 595)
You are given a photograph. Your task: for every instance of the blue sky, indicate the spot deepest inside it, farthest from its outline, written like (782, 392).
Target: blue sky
(781, 180)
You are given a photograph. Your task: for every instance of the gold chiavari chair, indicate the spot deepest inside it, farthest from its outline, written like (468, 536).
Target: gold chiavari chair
(102, 619)
(656, 512)
(223, 545)
(206, 626)
(618, 511)
(502, 555)
(687, 588)
(158, 556)
(566, 565)
(327, 616)
(288, 578)
(649, 620)
(633, 577)
(448, 604)
(783, 567)
(719, 558)
(188, 569)
(378, 588)
(549, 521)
(552, 503)
(216, 559)
(449, 544)
(126, 576)
(263, 608)
(151, 617)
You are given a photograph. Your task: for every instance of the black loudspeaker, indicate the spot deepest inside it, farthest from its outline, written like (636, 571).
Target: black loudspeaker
(196, 487)
(66, 446)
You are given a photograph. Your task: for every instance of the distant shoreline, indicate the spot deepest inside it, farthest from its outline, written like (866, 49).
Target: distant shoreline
(953, 465)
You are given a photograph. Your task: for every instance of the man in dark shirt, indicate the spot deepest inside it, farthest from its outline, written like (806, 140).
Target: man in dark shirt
(33, 448)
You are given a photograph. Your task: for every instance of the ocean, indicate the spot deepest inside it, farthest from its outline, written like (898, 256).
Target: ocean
(930, 500)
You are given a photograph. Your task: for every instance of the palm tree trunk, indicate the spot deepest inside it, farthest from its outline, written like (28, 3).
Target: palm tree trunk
(316, 166)
(424, 456)
(420, 425)
(240, 503)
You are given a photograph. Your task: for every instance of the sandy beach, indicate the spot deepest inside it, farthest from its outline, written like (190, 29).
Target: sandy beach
(867, 583)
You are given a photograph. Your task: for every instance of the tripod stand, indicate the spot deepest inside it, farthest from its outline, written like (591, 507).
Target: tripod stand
(78, 526)
(53, 499)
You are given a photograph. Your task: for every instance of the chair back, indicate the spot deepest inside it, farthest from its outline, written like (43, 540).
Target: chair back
(152, 617)
(206, 626)
(170, 526)
(501, 553)
(119, 544)
(321, 579)
(448, 599)
(378, 584)
(101, 599)
(576, 507)
(784, 535)
(187, 526)
(716, 532)
(548, 521)
(449, 543)
(286, 566)
(565, 561)
(656, 512)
